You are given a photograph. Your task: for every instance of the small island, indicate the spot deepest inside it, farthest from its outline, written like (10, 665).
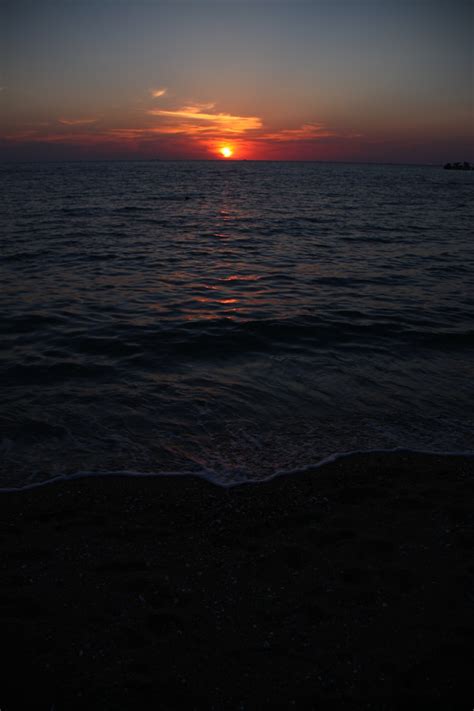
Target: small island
(458, 166)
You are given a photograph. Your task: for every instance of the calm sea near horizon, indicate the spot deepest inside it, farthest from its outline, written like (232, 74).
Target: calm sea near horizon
(231, 319)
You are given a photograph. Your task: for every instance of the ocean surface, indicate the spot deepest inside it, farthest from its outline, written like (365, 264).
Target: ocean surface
(231, 319)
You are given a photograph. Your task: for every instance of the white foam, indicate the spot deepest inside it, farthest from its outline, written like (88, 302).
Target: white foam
(216, 479)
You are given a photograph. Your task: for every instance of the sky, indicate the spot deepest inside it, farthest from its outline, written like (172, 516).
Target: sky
(343, 80)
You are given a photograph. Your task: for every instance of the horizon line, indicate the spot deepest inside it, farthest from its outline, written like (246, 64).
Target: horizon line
(219, 160)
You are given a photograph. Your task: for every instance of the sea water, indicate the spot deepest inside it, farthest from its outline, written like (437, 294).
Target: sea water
(231, 319)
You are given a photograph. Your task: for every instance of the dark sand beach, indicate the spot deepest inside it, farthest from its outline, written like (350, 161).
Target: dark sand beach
(346, 587)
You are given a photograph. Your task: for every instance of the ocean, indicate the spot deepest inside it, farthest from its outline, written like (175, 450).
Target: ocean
(231, 319)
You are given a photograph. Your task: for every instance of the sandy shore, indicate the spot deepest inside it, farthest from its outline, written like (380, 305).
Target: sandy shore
(347, 587)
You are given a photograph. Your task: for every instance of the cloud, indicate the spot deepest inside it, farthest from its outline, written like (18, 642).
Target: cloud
(21, 135)
(77, 122)
(203, 123)
(34, 137)
(199, 118)
(308, 131)
(193, 129)
(156, 93)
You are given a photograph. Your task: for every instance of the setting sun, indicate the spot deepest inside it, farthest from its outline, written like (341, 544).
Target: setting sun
(226, 152)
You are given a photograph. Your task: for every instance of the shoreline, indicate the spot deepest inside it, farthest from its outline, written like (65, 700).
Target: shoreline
(349, 585)
(209, 477)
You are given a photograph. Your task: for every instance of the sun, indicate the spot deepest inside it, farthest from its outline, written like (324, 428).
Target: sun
(226, 151)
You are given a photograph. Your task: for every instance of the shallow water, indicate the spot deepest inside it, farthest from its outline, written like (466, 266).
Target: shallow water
(233, 318)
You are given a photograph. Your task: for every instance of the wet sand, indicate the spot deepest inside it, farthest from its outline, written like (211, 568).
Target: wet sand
(351, 586)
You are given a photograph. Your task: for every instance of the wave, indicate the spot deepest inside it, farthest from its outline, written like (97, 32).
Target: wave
(230, 335)
(71, 350)
(339, 325)
(212, 477)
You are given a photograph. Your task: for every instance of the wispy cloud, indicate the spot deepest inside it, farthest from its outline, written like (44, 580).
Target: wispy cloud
(200, 118)
(307, 131)
(77, 121)
(195, 128)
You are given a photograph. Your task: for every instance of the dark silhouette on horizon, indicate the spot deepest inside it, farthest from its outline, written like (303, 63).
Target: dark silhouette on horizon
(458, 166)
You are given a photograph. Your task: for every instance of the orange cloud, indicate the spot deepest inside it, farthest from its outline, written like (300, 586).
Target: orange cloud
(192, 129)
(29, 134)
(77, 122)
(208, 122)
(305, 132)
